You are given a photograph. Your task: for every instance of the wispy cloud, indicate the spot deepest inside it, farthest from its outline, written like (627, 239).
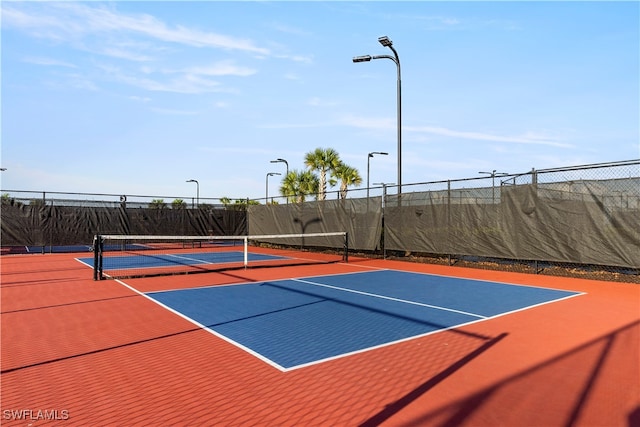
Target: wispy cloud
(172, 112)
(288, 29)
(188, 80)
(139, 98)
(389, 124)
(187, 83)
(64, 20)
(48, 62)
(125, 54)
(526, 138)
(222, 68)
(318, 102)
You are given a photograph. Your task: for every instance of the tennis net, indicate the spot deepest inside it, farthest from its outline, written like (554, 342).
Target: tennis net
(124, 256)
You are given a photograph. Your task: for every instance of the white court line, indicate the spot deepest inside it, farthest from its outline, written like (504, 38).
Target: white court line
(199, 261)
(205, 327)
(390, 298)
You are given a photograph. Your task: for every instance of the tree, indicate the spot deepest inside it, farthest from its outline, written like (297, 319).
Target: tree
(322, 160)
(238, 204)
(6, 199)
(157, 204)
(347, 176)
(296, 185)
(178, 204)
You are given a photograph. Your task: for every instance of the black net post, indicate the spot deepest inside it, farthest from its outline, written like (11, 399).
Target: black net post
(346, 247)
(97, 257)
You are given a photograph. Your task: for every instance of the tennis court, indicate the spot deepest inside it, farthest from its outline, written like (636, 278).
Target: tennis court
(365, 342)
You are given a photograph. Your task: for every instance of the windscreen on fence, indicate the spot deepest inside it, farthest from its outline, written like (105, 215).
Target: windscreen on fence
(45, 227)
(361, 218)
(586, 222)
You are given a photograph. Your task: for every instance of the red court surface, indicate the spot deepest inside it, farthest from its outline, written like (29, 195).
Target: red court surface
(77, 352)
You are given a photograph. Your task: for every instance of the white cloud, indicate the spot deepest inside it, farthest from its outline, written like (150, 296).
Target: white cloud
(69, 20)
(526, 138)
(125, 54)
(140, 98)
(48, 62)
(389, 124)
(317, 102)
(222, 68)
(183, 82)
(173, 112)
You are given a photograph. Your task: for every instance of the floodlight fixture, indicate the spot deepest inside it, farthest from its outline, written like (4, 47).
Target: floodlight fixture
(384, 41)
(362, 58)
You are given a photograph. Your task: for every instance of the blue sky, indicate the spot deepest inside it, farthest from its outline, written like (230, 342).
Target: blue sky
(138, 97)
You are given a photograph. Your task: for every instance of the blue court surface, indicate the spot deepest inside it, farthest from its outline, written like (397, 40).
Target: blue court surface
(298, 322)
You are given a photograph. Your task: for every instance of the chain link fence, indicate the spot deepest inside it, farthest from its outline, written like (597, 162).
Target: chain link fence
(579, 221)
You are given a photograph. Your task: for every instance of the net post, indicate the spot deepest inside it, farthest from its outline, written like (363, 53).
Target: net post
(246, 250)
(346, 246)
(100, 257)
(96, 255)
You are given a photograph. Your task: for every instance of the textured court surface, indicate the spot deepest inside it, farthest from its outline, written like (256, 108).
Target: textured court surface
(104, 353)
(297, 322)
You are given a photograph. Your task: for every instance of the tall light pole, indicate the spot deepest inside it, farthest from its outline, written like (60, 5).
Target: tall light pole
(384, 41)
(369, 156)
(197, 191)
(384, 202)
(266, 196)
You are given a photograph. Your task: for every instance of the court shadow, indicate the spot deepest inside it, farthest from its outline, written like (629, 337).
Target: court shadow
(435, 326)
(395, 407)
(586, 400)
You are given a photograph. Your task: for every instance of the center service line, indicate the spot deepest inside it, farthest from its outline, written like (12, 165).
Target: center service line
(391, 298)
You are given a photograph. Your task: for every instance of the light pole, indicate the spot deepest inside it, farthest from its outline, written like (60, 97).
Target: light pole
(382, 153)
(384, 41)
(282, 161)
(197, 191)
(287, 164)
(493, 175)
(384, 197)
(266, 196)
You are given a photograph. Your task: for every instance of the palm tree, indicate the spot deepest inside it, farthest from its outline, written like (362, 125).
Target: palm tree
(347, 176)
(323, 161)
(178, 204)
(296, 185)
(157, 204)
(238, 204)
